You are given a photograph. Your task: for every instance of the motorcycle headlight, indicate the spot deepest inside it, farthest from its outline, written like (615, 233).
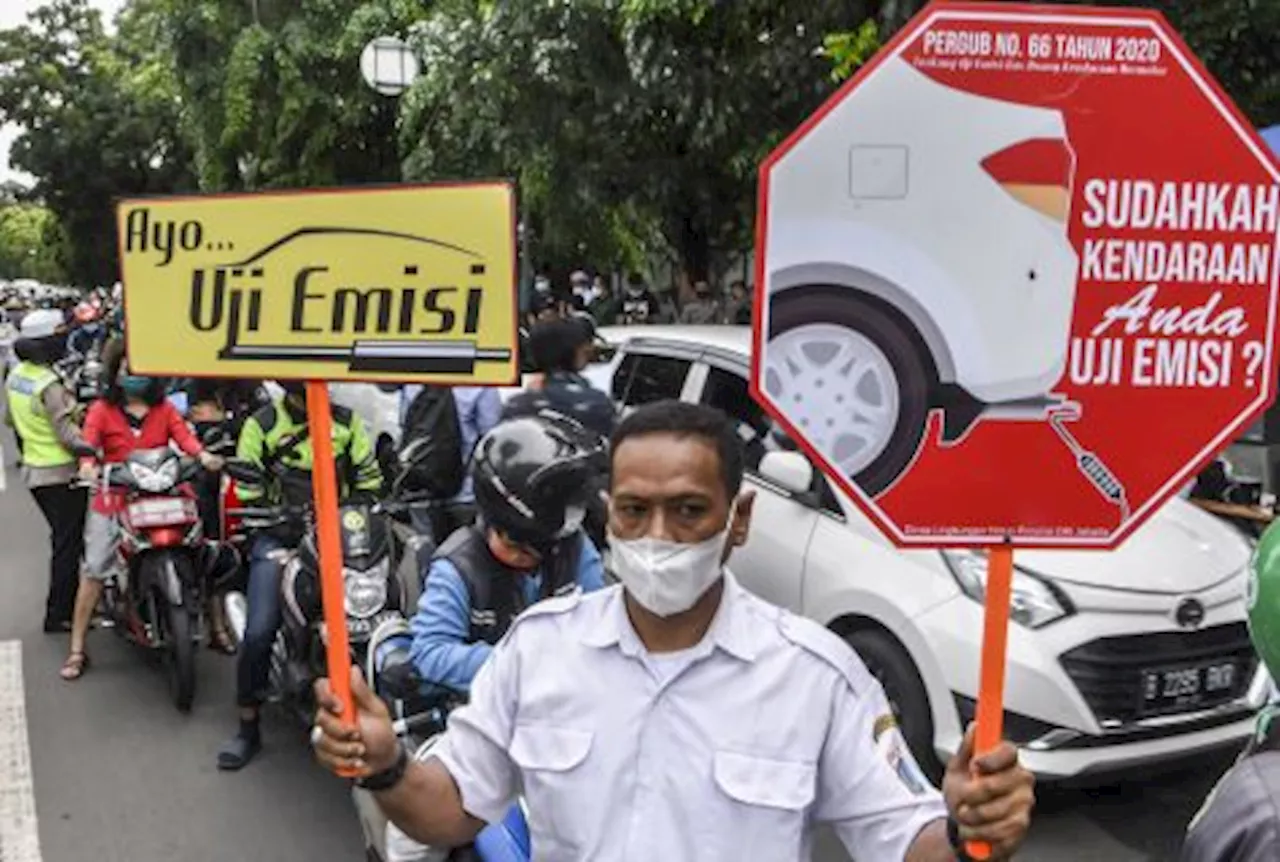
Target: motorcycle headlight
(366, 591)
(1035, 602)
(156, 481)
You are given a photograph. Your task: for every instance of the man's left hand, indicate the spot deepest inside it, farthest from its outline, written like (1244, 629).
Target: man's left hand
(990, 796)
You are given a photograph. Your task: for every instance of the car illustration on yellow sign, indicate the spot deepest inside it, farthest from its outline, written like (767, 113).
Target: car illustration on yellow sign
(400, 284)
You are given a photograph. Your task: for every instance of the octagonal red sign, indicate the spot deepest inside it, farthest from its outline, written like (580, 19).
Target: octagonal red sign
(1017, 279)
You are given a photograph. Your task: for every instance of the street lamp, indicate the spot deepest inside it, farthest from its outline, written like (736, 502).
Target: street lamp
(389, 65)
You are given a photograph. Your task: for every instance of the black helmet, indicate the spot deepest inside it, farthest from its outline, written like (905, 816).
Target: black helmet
(532, 478)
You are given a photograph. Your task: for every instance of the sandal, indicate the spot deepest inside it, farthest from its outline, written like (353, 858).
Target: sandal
(220, 642)
(75, 666)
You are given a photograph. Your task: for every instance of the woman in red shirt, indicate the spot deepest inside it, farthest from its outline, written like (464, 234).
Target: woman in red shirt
(133, 415)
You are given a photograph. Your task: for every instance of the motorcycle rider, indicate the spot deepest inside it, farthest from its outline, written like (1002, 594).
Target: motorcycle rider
(530, 477)
(562, 349)
(276, 440)
(133, 415)
(89, 332)
(41, 412)
(1240, 820)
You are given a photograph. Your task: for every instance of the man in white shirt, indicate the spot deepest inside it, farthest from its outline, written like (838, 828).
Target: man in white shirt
(676, 716)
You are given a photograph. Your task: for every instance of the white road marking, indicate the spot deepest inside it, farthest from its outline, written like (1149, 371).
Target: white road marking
(19, 835)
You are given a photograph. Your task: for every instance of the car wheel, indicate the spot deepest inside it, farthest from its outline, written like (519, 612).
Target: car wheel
(851, 376)
(896, 672)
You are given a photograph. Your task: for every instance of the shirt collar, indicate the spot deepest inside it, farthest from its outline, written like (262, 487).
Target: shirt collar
(731, 629)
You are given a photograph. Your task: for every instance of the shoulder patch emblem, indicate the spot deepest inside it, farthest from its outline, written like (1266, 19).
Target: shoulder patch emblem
(893, 748)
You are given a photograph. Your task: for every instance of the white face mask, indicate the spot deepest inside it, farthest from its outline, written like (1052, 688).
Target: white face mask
(668, 578)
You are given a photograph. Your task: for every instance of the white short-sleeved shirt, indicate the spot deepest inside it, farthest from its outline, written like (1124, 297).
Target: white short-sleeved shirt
(770, 726)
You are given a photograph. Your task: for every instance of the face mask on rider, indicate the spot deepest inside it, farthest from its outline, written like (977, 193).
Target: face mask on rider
(665, 577)
(136, 387)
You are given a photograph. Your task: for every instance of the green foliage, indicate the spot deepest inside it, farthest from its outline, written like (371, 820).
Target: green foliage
(628, 123)
(633, 127)
(849, 49)
(272, 90)
(31, 243)
(100, 121)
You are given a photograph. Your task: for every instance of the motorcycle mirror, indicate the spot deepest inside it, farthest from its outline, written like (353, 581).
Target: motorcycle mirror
(243, 471)
(215, 437)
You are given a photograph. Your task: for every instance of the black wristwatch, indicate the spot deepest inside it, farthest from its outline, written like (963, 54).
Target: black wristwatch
(387, 778)
(953, 838)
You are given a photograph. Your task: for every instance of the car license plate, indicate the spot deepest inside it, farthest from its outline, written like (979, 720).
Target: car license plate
(1186, 686)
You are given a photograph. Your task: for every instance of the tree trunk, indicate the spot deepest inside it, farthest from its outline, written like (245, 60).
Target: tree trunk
(693, 254)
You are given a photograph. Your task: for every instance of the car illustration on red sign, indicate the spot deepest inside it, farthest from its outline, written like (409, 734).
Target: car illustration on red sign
(1003, 296)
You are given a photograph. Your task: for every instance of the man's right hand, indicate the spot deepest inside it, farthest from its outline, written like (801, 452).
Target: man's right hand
(366, 749)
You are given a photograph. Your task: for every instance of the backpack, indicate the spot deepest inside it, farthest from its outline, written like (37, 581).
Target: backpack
(440, 471)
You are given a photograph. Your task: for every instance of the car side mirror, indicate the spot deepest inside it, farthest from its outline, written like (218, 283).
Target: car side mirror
(243, 471)
(389, 388)
(791, 471)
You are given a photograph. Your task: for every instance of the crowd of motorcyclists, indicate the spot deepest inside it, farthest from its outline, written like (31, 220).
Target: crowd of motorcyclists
(485, 510)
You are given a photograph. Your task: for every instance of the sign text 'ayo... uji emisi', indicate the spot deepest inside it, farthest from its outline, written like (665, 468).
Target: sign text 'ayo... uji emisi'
(410, 283)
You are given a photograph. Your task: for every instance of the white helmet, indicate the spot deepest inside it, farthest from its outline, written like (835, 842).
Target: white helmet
(41, 323)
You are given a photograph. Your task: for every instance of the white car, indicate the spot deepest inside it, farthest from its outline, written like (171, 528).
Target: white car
(1116, 658)
(917, 259)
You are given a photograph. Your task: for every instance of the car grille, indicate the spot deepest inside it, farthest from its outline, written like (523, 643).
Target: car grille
(1108, 671)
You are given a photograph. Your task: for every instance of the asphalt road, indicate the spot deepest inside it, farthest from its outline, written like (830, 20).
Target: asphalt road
(119, 775)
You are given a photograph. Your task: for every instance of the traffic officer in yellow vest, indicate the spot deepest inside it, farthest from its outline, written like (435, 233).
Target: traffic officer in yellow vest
(41, 412)
(277, 440)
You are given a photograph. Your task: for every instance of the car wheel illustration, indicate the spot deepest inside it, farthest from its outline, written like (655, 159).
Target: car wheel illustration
(851, 377)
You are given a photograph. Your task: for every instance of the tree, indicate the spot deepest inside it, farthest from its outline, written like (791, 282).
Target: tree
(273, 95)
(100, 121)
(31, 243)
(625, 121)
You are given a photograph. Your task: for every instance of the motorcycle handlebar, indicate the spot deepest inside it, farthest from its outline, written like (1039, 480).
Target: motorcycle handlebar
(407, 726)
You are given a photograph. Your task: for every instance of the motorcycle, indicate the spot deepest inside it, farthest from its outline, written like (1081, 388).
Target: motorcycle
(86, 379)
(419, 716)
(156, 598)
(1238, 500)
(380, 569)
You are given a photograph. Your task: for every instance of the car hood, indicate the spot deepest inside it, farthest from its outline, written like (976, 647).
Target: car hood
(1180, 550)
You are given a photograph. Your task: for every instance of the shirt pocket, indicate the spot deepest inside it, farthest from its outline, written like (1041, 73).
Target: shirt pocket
(558, 788)
(767, 801)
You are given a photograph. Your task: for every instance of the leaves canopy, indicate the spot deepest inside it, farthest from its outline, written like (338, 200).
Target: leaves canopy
(100, 121)
(633, 127)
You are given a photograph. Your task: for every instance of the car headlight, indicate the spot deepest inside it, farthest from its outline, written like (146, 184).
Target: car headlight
(366, 591)
(156, 481)
(1035, 602)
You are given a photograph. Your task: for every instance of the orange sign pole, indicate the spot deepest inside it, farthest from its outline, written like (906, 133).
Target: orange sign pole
(995, 647)
(324, 484)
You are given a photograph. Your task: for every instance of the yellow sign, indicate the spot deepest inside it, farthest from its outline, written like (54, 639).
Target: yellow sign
(411, 283)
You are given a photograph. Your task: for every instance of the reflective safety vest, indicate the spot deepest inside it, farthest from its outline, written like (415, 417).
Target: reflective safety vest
(40, 444)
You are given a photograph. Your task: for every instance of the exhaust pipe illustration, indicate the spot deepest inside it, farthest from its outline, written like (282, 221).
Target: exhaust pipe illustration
(380, 357)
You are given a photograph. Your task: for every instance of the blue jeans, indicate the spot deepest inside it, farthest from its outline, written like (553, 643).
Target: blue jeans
(263, 598)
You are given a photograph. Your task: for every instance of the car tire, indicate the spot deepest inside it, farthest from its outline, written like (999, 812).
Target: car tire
(889, 663)
(826, 305)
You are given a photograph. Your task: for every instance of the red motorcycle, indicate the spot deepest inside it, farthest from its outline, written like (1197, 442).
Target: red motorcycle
(157, 597)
